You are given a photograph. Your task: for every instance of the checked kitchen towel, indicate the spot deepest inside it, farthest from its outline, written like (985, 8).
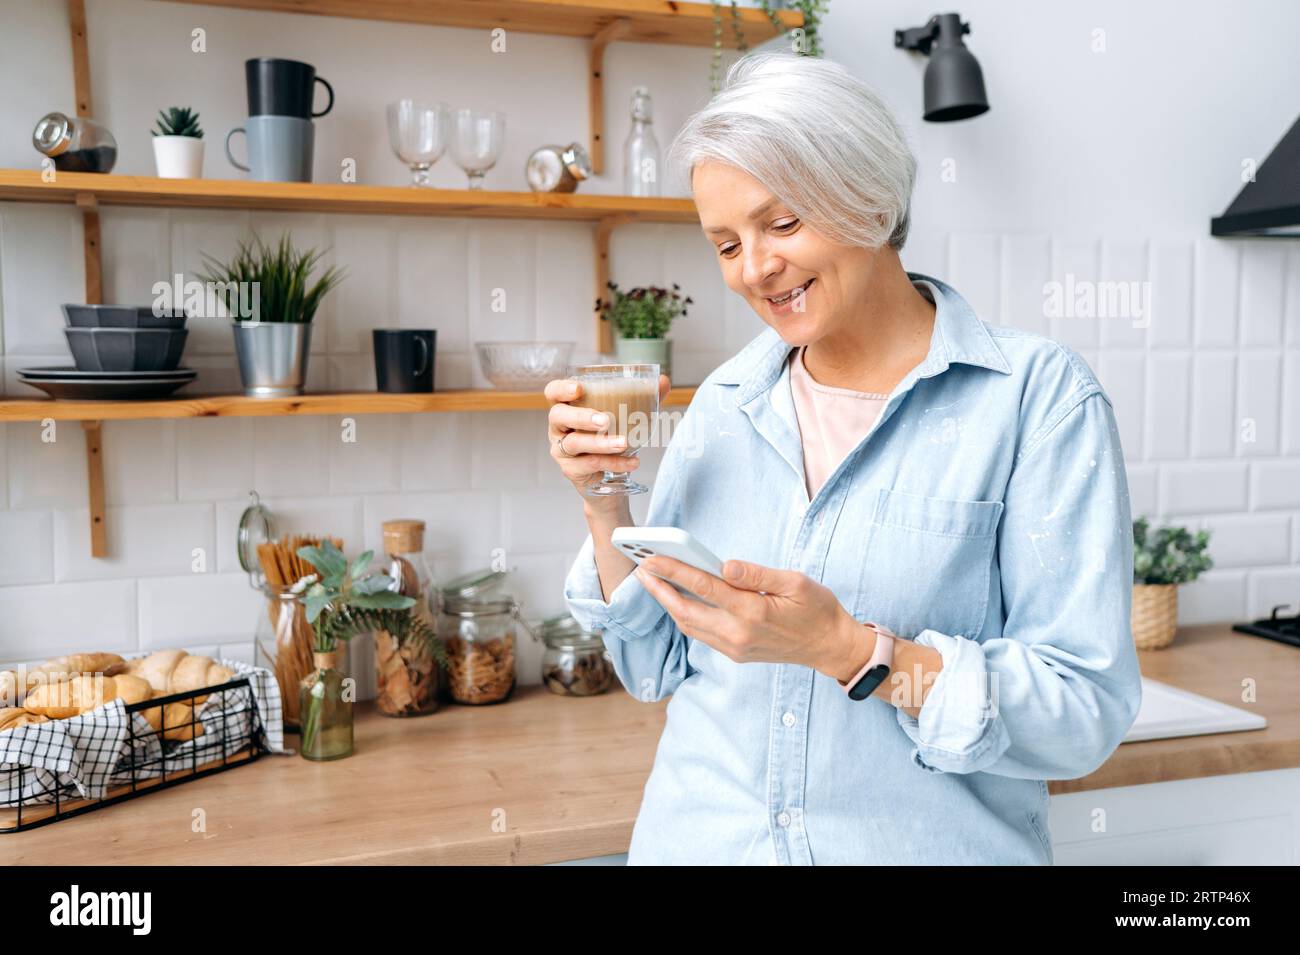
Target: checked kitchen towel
(82, 757)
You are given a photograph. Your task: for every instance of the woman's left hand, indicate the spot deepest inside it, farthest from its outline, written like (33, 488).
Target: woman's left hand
(761, 614)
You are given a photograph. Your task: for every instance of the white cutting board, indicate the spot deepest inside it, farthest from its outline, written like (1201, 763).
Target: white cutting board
(1167, 711)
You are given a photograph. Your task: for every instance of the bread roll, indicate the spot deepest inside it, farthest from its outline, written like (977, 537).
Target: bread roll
(175, 671)
(12, 717)
(14, 690)
(81, 694)
(178, 717)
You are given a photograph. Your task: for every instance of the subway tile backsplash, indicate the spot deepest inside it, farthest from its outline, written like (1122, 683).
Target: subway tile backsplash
(1206, 389)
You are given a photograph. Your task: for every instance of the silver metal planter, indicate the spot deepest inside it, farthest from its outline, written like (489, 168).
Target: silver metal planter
(272, 357)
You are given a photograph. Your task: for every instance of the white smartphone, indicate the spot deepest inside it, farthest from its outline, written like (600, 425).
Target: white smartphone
(642, 542)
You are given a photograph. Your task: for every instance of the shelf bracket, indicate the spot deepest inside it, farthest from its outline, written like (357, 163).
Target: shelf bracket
(87, 203)
(607, 34)
(95, 483)
(604, 331)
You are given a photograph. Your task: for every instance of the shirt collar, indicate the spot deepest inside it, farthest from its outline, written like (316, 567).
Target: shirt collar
(959, 336)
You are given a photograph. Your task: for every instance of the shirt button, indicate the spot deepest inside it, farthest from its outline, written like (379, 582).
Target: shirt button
(788, 719)
(783, 820)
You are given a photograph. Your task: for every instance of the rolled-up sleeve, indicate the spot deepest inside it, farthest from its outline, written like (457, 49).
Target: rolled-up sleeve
(648, 649)
(1053, 696)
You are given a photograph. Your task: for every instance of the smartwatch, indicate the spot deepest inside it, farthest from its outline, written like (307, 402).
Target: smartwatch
(873, 673)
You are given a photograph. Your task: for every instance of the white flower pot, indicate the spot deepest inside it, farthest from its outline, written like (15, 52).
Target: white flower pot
(178, 157)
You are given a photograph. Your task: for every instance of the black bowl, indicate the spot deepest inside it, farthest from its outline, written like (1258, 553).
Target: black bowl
(126, 349)
(121, 316)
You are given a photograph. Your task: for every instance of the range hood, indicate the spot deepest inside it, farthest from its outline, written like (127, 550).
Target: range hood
(1269, 206)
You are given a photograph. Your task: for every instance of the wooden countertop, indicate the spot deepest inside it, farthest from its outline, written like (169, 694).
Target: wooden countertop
(1212, 660)
(544, 778)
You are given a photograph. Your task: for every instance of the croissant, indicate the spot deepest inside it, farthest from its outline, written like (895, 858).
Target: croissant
(12, 717)
(175, 671)
(14, 690)
(59, 701)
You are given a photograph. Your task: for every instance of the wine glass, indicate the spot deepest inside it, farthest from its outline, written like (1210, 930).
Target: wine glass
(629, 394)
(418, 131)
(476, 142)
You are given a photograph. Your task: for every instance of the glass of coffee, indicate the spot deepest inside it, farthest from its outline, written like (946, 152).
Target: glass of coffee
(629, 394)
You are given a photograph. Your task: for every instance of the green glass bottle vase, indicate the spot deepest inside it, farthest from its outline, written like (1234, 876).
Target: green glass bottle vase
(326, 717)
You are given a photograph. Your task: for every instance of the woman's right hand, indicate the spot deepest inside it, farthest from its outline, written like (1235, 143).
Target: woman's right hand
(591, 449)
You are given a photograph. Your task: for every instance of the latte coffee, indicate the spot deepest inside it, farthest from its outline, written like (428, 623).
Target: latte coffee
(631, 404)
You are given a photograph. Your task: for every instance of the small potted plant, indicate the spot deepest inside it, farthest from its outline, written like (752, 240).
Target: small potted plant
(641, 317)
(269, 296)
(178, 144)
(1162, 560)
(342, 601)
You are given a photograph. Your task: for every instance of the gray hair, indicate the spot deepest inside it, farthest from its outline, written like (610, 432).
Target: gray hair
(816, 137)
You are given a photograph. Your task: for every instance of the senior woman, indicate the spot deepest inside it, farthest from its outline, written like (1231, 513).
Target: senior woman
(924, 522)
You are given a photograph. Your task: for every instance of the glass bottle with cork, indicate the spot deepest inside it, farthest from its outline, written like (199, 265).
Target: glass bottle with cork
(407, 667)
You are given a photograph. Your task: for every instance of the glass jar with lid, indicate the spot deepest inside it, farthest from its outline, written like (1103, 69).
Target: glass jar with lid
(406, 666)
(575, 661)
(478, 627)
(283, 640)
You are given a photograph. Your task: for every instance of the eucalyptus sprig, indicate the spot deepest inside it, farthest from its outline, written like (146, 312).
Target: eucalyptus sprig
(340, 598)
(1169, 555)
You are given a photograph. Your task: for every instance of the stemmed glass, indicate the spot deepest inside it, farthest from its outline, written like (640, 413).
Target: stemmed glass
(418, 132)
(476, 142)
(629, 394)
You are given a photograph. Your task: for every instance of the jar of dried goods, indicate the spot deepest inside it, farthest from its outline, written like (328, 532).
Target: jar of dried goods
(406, 663)
(478, 628)
(575, 661)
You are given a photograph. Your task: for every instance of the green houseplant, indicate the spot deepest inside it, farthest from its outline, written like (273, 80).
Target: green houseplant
(178, 144)
(807, 42)
(1163, 559)
(271, 298)
(641, 317)
(342, 601)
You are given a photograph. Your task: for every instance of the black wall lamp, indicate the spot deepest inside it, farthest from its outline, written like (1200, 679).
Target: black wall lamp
(954, 84)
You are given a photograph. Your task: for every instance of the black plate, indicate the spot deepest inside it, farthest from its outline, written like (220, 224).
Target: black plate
(77, 389)
(70, 373)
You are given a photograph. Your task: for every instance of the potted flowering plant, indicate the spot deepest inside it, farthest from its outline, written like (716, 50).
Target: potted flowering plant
(178, 144)
(1162, 560)
(641, 318)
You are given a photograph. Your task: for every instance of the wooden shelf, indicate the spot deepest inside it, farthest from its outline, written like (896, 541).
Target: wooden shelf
(331, 403)
(648, 21)
(86, 188)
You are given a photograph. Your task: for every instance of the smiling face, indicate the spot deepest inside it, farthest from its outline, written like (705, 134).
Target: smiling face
(766, 252)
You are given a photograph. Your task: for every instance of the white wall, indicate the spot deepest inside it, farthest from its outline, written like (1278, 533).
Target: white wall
(1104, 165)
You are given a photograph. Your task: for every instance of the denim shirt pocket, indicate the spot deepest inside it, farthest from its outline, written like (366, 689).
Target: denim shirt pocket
(926, 563)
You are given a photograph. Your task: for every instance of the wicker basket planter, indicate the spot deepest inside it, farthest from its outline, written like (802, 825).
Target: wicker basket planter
(1155, 615)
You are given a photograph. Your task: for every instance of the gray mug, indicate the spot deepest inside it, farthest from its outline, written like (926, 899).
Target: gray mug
(279, 148)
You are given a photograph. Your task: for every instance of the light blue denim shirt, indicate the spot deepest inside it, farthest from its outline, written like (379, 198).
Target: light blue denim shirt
(985, 515)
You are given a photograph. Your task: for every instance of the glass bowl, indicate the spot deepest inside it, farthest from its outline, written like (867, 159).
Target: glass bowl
(523, 366)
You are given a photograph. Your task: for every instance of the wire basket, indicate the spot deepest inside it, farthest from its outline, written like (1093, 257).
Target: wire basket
(64, 768)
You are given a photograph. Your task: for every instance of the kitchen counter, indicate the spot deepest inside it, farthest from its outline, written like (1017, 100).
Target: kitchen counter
(544, 778)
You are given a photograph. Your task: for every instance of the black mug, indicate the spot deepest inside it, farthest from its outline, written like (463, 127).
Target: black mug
(404, 358)
(283, 88)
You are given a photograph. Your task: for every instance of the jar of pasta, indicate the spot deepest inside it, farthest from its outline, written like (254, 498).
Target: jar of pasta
(479, 626)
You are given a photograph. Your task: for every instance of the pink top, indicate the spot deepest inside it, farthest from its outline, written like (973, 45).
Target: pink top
(831, 421)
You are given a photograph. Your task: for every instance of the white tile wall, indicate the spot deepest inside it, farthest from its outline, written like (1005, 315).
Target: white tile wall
(1207, 391)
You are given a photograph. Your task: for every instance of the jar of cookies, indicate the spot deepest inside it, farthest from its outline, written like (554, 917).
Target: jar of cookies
(479, 627)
